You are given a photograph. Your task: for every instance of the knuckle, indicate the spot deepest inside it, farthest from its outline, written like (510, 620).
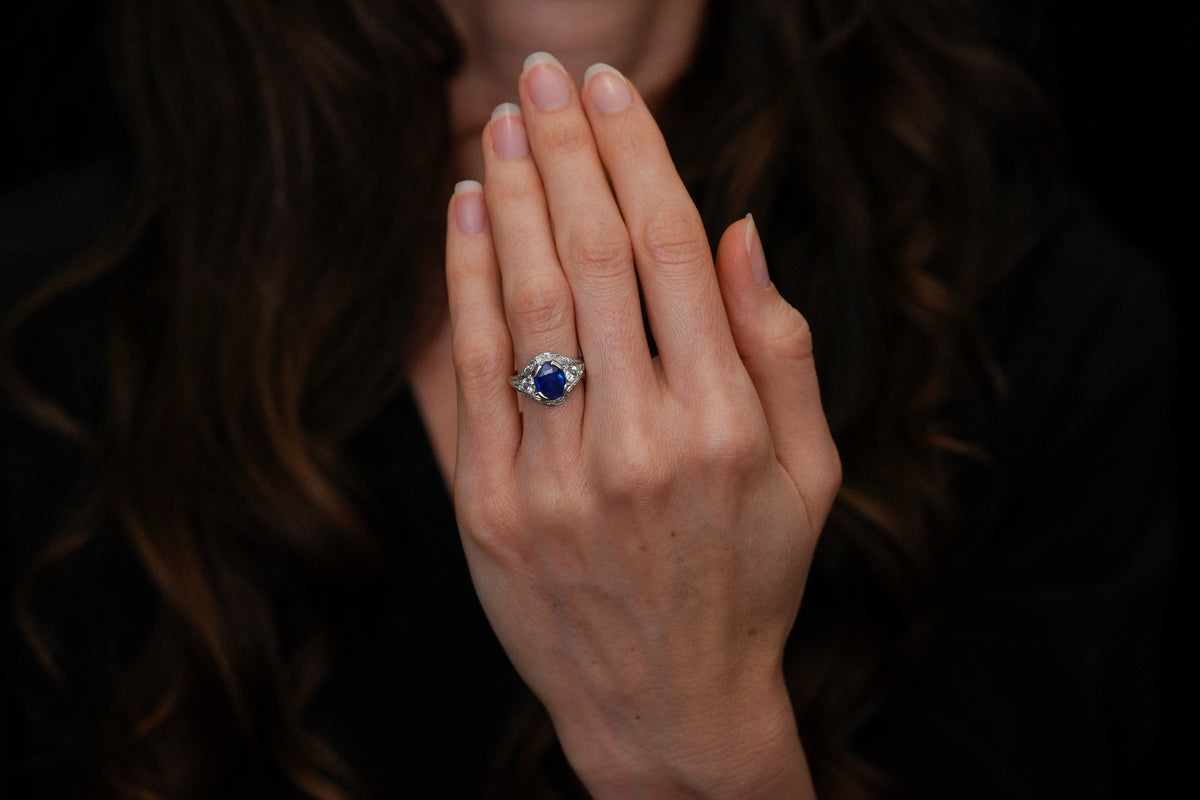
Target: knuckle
(476, 357)
(554, 506)
(487, 515)
(540, 305)
(598, 252)
(558, 504)
(628, 142)
(633, 471)
(674, 237)
(830, 479)
(731, 443)
(512, 188)
(569, 139)
(823, 484)
(792, 338)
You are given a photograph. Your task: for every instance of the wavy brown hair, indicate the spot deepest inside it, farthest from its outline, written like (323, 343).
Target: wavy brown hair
(270, 278)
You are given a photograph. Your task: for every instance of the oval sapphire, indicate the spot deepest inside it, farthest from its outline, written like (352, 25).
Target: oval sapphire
(550, 381)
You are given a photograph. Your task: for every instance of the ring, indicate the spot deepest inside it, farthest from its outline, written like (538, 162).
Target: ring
(548, 378)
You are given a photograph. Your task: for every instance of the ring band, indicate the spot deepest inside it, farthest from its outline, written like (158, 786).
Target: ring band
(548, 378)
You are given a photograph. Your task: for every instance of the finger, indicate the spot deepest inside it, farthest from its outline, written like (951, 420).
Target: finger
(674, 262)
(590, 236)
(775, 345)
(489, 428)
(537, 298)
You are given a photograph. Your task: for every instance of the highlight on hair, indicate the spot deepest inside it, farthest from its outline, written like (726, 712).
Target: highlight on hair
(279, 226)
(921, 166)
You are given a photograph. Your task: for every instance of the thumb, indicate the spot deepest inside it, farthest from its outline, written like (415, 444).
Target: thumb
(775, 344)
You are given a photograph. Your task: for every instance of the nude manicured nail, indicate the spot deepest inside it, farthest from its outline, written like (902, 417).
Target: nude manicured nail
(549, 87)
(508, 132)
(470, 215)
(607, 88)
(758, 259)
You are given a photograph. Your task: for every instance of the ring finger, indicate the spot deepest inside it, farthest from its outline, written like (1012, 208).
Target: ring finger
(537, 297)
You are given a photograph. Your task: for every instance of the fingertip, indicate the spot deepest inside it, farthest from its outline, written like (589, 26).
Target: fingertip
(467, 208)
(608, 90)
(541, 57)
(733, 258)
(546, 80)
(506, 132)
(757, 312)
(758, 258)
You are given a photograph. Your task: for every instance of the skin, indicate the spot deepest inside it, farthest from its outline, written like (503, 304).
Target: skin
(641, 550)
(651, 41)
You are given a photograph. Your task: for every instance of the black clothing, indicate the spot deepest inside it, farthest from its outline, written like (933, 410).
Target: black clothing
(1038, 685)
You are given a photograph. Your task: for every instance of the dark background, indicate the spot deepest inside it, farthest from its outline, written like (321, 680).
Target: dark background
(1122, 76)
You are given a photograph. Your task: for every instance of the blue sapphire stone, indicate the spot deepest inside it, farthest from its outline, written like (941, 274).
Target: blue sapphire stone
(550, 381)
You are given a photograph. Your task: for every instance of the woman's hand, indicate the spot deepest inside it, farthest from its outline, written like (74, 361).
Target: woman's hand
(641, 549)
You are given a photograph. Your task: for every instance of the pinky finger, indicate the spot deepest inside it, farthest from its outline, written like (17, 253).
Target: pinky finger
(488, 417)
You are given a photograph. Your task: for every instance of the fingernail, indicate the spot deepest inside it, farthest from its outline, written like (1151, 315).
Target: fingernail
(758, 259)
(607, 88)
(549, 87)
(469, 213)
(508, 132)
